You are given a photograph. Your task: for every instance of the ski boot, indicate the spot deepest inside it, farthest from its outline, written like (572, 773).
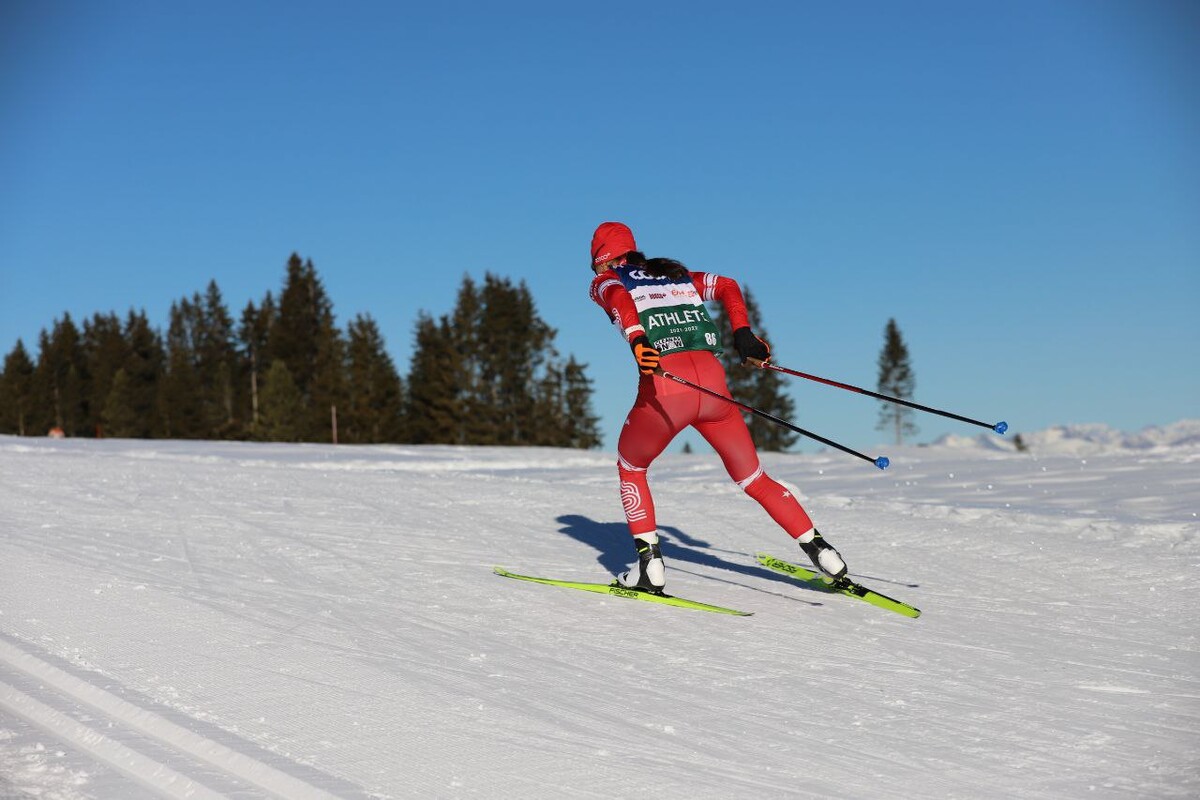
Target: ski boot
(650, 575)
(823, 555)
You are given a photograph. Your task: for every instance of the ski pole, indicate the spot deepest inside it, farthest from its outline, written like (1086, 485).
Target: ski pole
(882, 461)
(999, 427)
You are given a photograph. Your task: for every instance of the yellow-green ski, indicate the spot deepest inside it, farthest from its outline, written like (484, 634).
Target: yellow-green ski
(841, 586)
(616, 590)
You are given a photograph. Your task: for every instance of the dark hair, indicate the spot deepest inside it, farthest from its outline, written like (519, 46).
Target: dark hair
(658, 267)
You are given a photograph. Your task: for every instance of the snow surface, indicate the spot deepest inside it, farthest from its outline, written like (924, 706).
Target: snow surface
(253, 620)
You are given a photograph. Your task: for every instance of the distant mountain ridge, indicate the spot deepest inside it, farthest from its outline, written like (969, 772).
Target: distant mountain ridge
(1085, 438)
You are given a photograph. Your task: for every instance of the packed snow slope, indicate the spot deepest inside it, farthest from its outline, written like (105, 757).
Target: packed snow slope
(251, 620)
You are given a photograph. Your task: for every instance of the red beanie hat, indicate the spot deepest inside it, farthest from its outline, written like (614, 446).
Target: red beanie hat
(611, 240)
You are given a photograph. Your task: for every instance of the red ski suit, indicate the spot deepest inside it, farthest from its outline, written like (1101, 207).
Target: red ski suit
(663, 407)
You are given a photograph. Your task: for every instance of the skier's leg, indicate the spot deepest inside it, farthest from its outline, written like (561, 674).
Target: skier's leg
(722, 426)
(653, 421)
(647, 431)
(730, 438)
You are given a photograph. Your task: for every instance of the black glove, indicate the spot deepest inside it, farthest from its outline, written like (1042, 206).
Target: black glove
(750, 346)
(645, 355)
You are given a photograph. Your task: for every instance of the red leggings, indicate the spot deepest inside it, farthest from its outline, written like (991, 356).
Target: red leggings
(664, 408)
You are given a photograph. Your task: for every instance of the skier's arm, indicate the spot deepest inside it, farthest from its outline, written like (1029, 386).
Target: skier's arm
(611, 295)
(727, 292)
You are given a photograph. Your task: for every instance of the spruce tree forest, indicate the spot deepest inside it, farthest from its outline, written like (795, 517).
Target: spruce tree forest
(486, 373)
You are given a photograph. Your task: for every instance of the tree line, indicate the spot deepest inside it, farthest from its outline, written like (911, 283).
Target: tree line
(486, 373)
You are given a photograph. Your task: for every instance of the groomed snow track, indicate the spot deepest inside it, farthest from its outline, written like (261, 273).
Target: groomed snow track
(131, 739)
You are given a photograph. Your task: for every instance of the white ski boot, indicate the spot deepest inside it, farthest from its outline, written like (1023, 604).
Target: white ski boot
(822, 553)
(650, 574)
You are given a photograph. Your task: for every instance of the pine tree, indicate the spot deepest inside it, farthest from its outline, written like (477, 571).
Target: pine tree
(144, 369)
(43, 406)
(292, 338)
(582, 425)
(437, 407)
(460, 332)
(282, 410)
(252, 336)
(896, 379)
(306, 339)
(760, 388)
(328, 390)
(198, 389)
(58, 380)
(16, 391)
(105, 351)
(118, 417)
(513, 344)
(180, 390)
(216, 361)
(374, 409)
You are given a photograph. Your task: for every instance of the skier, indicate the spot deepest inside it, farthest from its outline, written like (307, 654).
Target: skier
(658, 305)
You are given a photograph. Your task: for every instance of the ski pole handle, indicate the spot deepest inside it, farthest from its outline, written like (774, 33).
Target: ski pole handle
(998, 427)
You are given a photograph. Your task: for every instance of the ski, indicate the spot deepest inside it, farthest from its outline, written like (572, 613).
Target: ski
(616, 590)
(841, 586)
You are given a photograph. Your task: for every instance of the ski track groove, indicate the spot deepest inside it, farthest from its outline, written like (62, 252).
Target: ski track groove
(114, 710)
(150, 773)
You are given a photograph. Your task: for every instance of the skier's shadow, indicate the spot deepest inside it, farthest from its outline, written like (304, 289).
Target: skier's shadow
(612, 541)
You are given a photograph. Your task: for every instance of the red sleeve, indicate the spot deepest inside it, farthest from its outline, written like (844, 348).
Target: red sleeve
(610, 294)
(726, 292)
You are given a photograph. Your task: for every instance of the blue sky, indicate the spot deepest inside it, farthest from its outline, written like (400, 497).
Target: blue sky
(1018, 184)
